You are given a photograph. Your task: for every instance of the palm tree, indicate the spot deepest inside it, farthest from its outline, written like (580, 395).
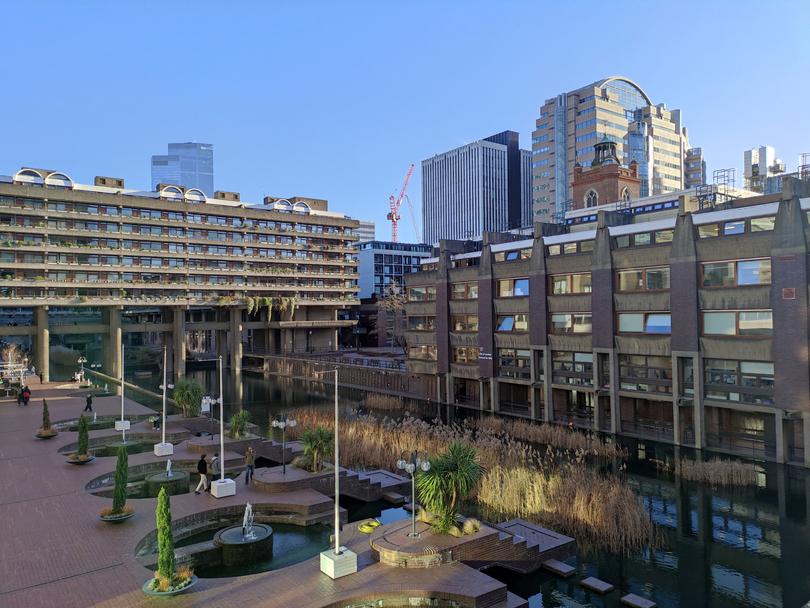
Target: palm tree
(449, 481)
(318, 442)
(188, 397)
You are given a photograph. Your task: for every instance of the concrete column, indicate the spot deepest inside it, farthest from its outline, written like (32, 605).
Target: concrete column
(699, 412)
(548, 393)
(43, 352)
(235, 339)
(806, 443)
(179, 342)
(493, 391)
(615, 402)
(779, 431)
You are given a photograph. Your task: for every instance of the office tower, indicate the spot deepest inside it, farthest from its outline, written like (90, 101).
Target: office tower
(474, 189)
(758, 165)
(189, 164)
(695, 173)
(616, 109)
(366, 231)
(382, 264)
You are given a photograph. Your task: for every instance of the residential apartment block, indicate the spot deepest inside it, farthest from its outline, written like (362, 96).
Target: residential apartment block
(666, 321)
(171, 263)
(613, 109)
(479, 187)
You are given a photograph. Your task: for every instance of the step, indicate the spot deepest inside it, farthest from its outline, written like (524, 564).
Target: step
(636, 601)
(559, 568)
(394, 498)
(594, 584)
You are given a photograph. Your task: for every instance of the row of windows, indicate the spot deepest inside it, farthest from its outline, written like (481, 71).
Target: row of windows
(756, 224)
(514, 255)
(575, 247)
(642, 239)
(513, 288)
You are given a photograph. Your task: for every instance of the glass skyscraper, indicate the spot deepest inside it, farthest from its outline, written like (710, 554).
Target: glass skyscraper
(187, 164)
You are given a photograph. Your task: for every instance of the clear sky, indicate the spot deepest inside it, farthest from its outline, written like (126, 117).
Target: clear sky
(335, 99)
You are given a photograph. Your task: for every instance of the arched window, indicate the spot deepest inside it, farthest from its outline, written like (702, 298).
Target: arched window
(625, 195)
(591, 198)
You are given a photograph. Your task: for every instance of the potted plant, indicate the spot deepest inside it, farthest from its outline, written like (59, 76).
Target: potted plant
(168, 579)
(452, 477)
(119, 511)
(46, 431)
(81, 455)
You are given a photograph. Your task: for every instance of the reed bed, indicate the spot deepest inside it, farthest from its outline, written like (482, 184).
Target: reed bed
(719, 472)
(551, 487)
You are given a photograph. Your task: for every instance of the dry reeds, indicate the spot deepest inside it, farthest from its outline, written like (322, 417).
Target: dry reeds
(719, 472)
(553, 487)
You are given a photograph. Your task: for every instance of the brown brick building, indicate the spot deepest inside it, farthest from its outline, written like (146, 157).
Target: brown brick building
(605, 181)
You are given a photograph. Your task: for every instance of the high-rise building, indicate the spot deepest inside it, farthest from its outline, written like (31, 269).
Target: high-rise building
(758, 165)
(474, 189)
(695, 174)
(366, 232)
(189, 164)
(383, 264)
(614, 109)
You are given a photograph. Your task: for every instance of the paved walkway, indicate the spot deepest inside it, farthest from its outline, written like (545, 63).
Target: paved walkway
(55, 552)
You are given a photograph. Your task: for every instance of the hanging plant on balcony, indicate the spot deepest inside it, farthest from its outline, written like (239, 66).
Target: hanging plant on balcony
(251, 305)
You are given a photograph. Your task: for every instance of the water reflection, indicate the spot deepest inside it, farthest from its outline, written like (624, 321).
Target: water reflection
(721, 547)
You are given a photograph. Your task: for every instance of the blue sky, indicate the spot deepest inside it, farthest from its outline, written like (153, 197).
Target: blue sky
(335, 99)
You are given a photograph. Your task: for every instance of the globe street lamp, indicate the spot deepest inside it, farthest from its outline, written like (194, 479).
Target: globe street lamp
(282, 423)
(163, 448)
(410, 463)
(82, 360)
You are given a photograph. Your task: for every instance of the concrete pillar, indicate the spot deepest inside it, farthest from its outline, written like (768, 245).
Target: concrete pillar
(548, 406)
(493, 389)
(806, 444)
(779, 431)
(235, 339)
(43, 352)
(699, 412)
(179, 342)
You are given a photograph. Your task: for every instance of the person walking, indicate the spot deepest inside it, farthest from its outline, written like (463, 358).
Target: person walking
(202, 469)
(250, 461)
(88, 403)
(41, 378)
(19, 398)
(26, 394)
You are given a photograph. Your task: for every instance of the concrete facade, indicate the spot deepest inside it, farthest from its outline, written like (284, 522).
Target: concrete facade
(105, 265)
(689, 327)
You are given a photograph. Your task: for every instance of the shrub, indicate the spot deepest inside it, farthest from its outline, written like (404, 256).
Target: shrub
(471, 526)
(238, 425)
(163, 519)
(81, 449)
(121, 474)
(188, 396)
(318, 442)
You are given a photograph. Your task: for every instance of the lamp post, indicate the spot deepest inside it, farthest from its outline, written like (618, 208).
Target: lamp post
(222, 487)
(410, 463)
(82, 360)
(282, 423)
(120, 425)
(340, 561)
(163, 448)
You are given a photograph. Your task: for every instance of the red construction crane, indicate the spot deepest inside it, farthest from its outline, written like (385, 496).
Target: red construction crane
(394, 204)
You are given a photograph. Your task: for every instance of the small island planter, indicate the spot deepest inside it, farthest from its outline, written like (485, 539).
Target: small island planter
(77, 461)
(145, 588)
(49, 434)
(117, 519)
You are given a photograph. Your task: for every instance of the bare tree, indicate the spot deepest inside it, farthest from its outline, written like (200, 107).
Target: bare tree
(392, 304)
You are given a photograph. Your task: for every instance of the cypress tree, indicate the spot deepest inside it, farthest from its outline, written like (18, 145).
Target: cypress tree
(121, 474)
(46, 416)
(82, 448)
(163, 517)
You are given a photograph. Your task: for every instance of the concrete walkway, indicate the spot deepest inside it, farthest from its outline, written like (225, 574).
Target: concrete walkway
(55, 552)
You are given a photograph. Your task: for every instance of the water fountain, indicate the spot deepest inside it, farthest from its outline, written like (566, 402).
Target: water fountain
(175, 482)
(245, 544)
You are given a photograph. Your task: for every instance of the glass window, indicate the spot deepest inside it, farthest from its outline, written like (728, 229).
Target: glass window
(718, 274)
(719, 323)
(623, 241)
(631, 280)
(642, 239)
(631, 322)
(664, 236)
(708, 230)
(756, 323)
(734, 227)
(421, 294)
(576, 323)
(465, 291)
(762, 224)
(657, 278)
(570, 248)
(513, 288)
(658, 324)
(512, 323)
(554, 250)
(585, 246)
(754, 272)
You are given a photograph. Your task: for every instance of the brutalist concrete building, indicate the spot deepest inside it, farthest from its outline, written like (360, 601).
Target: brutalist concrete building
(679, 321)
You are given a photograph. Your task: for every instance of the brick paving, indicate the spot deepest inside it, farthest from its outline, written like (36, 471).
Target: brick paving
(54, 551)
